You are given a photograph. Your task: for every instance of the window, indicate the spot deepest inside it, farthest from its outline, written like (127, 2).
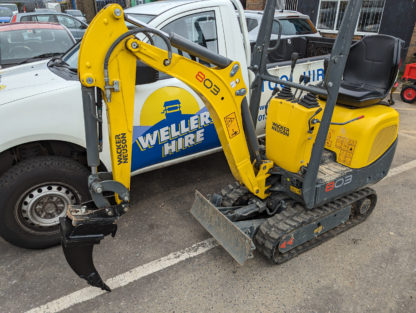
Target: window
(69, 22)
(200, 28)
(293, 26)
(5, 12)
(47, 18)
(331, 13)
(28, 18)
(251, 24)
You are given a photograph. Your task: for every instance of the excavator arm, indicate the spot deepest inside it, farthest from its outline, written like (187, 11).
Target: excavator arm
(107, 70)
(221, 88)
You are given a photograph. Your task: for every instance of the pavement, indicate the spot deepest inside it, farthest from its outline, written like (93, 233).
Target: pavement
(370, 268)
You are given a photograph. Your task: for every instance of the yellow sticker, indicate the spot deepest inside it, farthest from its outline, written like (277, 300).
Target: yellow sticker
(318, 229)
(346, 148)
(232, 125)
(2, 87)
(295, 190)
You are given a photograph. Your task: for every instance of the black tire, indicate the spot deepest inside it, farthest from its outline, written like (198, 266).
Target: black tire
(408, 94)
(34, 193)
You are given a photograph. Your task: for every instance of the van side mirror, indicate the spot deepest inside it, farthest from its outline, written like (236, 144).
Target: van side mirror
(145, 74)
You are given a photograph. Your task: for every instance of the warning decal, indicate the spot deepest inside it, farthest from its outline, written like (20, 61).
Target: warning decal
(346, 147)
(232, 125)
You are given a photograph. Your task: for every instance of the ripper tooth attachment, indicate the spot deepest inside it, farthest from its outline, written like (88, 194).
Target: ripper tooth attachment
(78, 244)
(82, 228)
(87, 224)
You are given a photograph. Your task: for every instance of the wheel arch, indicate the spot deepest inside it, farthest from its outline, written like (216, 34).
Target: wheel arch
(15, 154)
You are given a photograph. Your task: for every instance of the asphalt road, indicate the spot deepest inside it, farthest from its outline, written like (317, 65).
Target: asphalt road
(370, 268)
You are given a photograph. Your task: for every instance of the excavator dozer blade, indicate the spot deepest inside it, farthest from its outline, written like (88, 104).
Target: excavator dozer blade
(234, 241)
(78, 246)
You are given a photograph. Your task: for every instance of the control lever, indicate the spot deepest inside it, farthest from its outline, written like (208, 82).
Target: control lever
(286, 92)
(274, 92)
(294, 57)
(301, 79)
(306, 80)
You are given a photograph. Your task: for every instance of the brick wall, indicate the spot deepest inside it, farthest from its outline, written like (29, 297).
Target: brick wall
(412, 48)
(87, 7)
(255, 4)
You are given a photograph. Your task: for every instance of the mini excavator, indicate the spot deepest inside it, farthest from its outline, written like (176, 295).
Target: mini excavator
(306, 182)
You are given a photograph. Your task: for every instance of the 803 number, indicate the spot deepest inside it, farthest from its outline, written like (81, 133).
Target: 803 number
(207, 83)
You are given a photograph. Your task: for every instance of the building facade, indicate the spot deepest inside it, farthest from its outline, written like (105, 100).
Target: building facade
(391, 17)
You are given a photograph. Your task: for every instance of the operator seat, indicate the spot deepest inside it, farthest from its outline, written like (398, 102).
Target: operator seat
(370, 71)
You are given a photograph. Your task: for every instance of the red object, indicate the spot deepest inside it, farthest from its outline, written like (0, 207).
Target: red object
(283, 245)
(410, 72)
(409, 94)
(13, 19)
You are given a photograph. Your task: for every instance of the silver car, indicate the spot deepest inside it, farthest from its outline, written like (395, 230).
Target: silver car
(75, 26)
(77, 14)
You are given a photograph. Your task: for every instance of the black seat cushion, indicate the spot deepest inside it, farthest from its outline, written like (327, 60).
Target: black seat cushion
(359, 95)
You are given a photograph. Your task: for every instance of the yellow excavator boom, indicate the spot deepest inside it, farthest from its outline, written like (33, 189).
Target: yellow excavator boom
(222, 89)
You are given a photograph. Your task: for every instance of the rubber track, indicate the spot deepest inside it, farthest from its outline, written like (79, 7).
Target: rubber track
(231, 193)
(271, 232)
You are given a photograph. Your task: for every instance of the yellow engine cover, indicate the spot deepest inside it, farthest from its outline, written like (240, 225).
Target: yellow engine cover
(289, 140)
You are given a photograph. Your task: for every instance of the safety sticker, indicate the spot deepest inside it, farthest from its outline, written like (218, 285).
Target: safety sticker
(347, 148)
(329, 138)
(232, 125)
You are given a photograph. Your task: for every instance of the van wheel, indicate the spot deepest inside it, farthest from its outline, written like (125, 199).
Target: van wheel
(34, 194)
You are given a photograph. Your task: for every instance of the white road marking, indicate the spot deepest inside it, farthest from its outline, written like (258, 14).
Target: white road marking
(141, 271)
(401, 168)
(121, 280)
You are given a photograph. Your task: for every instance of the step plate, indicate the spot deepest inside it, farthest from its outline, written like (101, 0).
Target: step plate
(228, 235)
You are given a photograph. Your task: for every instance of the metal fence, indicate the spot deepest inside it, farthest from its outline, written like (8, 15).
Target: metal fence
(291, 5)
(331, 13)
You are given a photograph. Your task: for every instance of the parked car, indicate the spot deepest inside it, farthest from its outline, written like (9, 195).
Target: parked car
(30, 42)
(11, 6)
(5, 15)
(294, 24)
(76, 27)
(77, 14)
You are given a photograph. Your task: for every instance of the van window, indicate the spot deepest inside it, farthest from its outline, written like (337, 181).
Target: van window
(251, 24)
(200, 28)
